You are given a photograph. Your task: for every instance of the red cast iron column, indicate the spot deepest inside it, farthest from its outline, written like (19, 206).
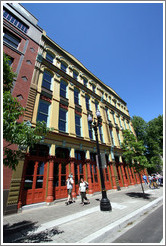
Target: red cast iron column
(50, 193)
(123, 174)
(72, 171)
(131, 178)
(113, 176)
(89, 176)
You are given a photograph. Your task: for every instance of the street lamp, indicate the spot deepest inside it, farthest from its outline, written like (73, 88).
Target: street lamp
(104, 203)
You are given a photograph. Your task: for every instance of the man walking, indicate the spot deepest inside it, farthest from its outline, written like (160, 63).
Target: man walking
(69, 183)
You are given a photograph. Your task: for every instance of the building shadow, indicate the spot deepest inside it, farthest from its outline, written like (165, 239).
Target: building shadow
(21, 233)
(139, 195)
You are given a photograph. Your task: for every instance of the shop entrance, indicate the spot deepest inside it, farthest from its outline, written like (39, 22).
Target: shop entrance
(61, 171)
(94, 173)
(36, 163)
(79, 168)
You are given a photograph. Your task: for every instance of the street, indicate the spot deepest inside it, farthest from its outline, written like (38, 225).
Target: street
(149, 230)
(87, 224)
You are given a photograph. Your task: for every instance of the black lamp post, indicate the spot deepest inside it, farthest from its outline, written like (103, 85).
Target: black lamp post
(104, 203)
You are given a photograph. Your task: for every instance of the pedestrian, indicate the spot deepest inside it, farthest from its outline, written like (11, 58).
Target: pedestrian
(145, 179)
(150, 180)
(158, 178)
(82, 188)
(69, 183)
(155, 185)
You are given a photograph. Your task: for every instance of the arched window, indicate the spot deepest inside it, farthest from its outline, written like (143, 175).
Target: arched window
(63, 66)
(50, 57)
(75, 75)
(47, 80)
(85, 82)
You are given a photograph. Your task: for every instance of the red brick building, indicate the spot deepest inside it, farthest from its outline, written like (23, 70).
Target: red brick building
(21, 39)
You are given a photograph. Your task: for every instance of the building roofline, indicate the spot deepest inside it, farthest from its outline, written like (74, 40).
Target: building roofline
(108, 88)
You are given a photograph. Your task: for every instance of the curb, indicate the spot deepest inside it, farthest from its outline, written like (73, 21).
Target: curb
(120, 224)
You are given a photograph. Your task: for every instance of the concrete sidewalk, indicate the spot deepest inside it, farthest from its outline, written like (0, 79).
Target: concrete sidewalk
(80, 224)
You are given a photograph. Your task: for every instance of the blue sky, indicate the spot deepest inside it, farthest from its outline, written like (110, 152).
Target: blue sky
(120, 43)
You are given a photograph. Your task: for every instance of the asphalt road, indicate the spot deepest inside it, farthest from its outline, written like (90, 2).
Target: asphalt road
(149, 230)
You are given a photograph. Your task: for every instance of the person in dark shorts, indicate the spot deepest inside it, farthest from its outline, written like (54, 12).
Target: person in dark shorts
(82, 189)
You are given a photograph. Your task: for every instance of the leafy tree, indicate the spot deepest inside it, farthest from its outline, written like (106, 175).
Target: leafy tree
(133, 153)
(154, 143)
(140, 127)
(16, 133)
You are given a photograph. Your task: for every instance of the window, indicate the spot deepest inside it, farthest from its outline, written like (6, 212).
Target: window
(129, 125)
(10, 60)
(85, 82)
(120, 122)
(43, 111)
(93, 88)
(63, 89)
(96, 105)
(113, 114)
(112, 137)
(62, 120)
(50, 57)
(76, 96)
(78, 125)
(101, 134)
(11, 39)
(63, 67)
(75, 75)
(125, 123)
(87, 99)
(15, 21)
(90, 131)
(47, 78)
(118, 137)
(107, 114)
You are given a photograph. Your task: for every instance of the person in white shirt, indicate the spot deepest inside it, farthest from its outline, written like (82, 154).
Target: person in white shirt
(82, 188)
(69, 183)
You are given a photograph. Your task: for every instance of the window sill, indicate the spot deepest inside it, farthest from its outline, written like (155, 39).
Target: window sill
(66, 133)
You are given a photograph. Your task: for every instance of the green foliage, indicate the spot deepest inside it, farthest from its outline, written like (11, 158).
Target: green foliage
(133, 151)
(140, 127)
(154, 143)
(21, 134)
(8, 74)
(151, 134)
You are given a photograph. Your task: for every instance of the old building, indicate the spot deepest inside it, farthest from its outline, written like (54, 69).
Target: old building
(21, 39)
(63, 92)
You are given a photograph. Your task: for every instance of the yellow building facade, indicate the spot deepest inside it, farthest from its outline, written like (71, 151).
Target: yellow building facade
(63, 93)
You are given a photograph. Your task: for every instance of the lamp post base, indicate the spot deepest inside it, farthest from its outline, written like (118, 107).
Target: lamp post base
(105, 205)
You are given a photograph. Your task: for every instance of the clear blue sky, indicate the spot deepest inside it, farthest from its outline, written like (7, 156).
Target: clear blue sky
(120, 43)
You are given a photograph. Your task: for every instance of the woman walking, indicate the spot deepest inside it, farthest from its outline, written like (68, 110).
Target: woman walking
(82, 189)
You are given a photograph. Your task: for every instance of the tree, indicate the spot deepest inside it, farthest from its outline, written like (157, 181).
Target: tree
(133, 153)
(154, 143)
(16, 133)
(151, 134)
(139, 127)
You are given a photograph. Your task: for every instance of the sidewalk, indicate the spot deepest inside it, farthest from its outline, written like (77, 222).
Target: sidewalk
(80, 224)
